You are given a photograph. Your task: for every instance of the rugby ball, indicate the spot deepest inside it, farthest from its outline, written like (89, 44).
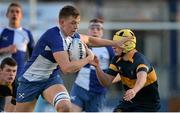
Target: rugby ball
(76, 50)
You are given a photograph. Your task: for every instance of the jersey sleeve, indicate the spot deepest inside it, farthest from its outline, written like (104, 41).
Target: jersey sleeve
(31, 43)
(54, 41)
(143, 65)
(113, 69)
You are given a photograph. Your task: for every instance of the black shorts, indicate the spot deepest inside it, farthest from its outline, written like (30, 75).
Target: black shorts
(126, 106)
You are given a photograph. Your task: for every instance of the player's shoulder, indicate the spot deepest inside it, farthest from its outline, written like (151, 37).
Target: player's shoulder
(55, 28)
(52, 31)
(28, 31)
(140, 58)
(6, 89)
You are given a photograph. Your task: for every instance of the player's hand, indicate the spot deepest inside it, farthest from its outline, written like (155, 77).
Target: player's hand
(123, 40)
(12, 49)
(90, 54)
(95, 62)
(129, 94)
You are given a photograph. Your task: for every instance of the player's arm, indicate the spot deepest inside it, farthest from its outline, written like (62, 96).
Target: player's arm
(8, 49)
(66, 66)
(104, 78)
(98, 42)
(140, 82)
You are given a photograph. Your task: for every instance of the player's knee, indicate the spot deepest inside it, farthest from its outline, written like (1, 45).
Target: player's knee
(62, 102)
(63, 106)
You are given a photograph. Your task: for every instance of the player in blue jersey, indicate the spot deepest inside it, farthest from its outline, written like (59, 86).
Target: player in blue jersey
(40, 76)
(87, 93)
(8, 69)
(15, 41)
(137, 75)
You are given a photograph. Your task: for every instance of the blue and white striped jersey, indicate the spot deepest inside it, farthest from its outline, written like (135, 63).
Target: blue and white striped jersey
(42, 64)
(86, 77)
(23, 40)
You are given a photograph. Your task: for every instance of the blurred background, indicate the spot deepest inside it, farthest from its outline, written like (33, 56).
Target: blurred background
(156, 24)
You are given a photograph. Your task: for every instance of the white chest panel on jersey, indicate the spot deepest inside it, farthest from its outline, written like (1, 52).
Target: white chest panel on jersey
(42, 68)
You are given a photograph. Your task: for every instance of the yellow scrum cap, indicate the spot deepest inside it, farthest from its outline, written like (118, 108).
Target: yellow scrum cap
(128, 45)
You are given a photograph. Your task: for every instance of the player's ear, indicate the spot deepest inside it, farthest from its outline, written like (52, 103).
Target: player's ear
(61, 21)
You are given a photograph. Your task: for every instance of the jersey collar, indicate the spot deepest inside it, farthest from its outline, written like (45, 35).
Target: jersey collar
(130, 55)
(19, 28)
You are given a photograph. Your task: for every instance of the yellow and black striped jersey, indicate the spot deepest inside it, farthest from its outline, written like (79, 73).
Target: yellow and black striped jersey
(128, 71)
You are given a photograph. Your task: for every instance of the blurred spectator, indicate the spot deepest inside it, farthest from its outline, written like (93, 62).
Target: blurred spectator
(15, 40)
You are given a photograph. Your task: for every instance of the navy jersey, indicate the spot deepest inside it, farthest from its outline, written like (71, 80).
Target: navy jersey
(128, 71)
(86, 77)
(8, 90)
(23, 40)
(42, 64)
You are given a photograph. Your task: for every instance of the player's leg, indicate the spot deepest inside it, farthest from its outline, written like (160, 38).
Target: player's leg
(27, 94)
(25, 106)
(125, 106)
(43, 106)
(76, 108)
(96, 102)
(25, 100)
(58, 96)
(78, 97)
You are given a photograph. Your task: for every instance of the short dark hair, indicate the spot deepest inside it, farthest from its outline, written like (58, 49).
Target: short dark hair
(8, 61)
(13, 4)
(68, 11)
(96, 20)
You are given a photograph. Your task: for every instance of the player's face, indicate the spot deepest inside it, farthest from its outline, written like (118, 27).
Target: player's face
(14, 15)
(118, 51)
(70, 25)
(9, 73)
(95, 30)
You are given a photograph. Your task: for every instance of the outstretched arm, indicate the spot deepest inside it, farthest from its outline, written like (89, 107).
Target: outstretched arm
(98, 42)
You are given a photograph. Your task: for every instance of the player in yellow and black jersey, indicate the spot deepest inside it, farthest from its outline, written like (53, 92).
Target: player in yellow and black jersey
(8, 70)
(137, 75)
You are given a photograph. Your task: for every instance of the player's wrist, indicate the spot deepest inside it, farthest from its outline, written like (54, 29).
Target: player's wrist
(134, 90)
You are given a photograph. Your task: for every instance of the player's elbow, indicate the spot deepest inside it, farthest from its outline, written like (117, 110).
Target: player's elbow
(105, 83)
(64, 69)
